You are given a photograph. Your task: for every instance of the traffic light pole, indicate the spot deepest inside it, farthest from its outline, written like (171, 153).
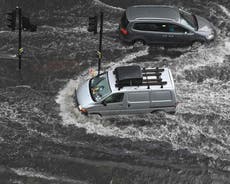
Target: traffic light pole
(100, 44)
(23, 23)
(19, 37)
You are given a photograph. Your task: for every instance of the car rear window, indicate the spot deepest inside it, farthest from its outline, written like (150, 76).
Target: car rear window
(124, 20)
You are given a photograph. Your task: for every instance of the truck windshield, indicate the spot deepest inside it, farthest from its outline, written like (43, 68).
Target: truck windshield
(99, 87)
(188, 20)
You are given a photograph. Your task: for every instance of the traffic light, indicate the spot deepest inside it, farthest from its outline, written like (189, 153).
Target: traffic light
(93, 24)
(27, 26)
(11, 17)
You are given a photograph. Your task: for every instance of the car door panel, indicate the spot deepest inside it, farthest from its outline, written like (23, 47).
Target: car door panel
(110, 108)
(179, 35)
(138, 102)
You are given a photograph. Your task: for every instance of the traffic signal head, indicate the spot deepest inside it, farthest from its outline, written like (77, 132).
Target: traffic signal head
(25, 23)
(27, 26)
(11, 17)
(92, 24)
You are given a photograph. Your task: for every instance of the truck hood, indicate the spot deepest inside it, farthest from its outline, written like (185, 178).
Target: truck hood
(83, 95)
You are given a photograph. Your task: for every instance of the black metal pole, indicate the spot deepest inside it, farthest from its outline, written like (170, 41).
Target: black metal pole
(100, 44)
(19, 37)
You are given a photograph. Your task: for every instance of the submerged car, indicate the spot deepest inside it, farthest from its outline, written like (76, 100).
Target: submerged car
(128, 90)
(167, 25)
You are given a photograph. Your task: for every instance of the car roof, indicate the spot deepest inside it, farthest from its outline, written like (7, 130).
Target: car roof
(166, 76)
(141, 12)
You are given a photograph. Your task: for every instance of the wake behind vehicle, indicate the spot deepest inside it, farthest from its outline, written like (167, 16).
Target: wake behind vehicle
(128, 90)
(166, 25)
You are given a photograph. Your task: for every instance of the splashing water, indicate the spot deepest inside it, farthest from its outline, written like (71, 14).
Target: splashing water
(31, 173)
(201, 122)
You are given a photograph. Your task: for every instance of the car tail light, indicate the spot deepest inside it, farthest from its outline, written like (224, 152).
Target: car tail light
(124, 31)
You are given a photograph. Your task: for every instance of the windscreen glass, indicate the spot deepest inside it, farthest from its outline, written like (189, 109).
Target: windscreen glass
(188, 20)
(99, 87)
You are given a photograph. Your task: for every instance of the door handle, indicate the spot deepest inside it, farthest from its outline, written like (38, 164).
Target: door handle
(129, 105)
(164, 36)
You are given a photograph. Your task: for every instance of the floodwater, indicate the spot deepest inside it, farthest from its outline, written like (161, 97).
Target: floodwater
(45, 140)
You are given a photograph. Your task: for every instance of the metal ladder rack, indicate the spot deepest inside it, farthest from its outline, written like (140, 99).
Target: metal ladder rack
(153, 72)
(135, 76)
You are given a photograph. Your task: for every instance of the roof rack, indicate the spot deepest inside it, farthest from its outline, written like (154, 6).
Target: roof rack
(135, 76)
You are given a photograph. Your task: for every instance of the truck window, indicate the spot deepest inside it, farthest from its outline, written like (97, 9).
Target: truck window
(161, 96)
(138, 96)
(114, 98)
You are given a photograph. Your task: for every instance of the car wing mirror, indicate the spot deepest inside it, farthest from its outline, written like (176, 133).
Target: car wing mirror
(103, 103)
(188, 33)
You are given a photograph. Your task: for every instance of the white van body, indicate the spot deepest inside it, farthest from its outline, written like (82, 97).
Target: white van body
(128, 90)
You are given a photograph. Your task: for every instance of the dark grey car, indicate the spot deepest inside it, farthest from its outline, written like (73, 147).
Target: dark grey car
(167, 25)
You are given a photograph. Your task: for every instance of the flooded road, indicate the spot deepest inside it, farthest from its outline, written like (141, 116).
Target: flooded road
(43, 137)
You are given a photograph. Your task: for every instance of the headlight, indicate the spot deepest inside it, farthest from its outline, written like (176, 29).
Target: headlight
(82, 109)
(210, 37)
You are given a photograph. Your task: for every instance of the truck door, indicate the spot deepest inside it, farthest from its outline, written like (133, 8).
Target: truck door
(112, 105)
